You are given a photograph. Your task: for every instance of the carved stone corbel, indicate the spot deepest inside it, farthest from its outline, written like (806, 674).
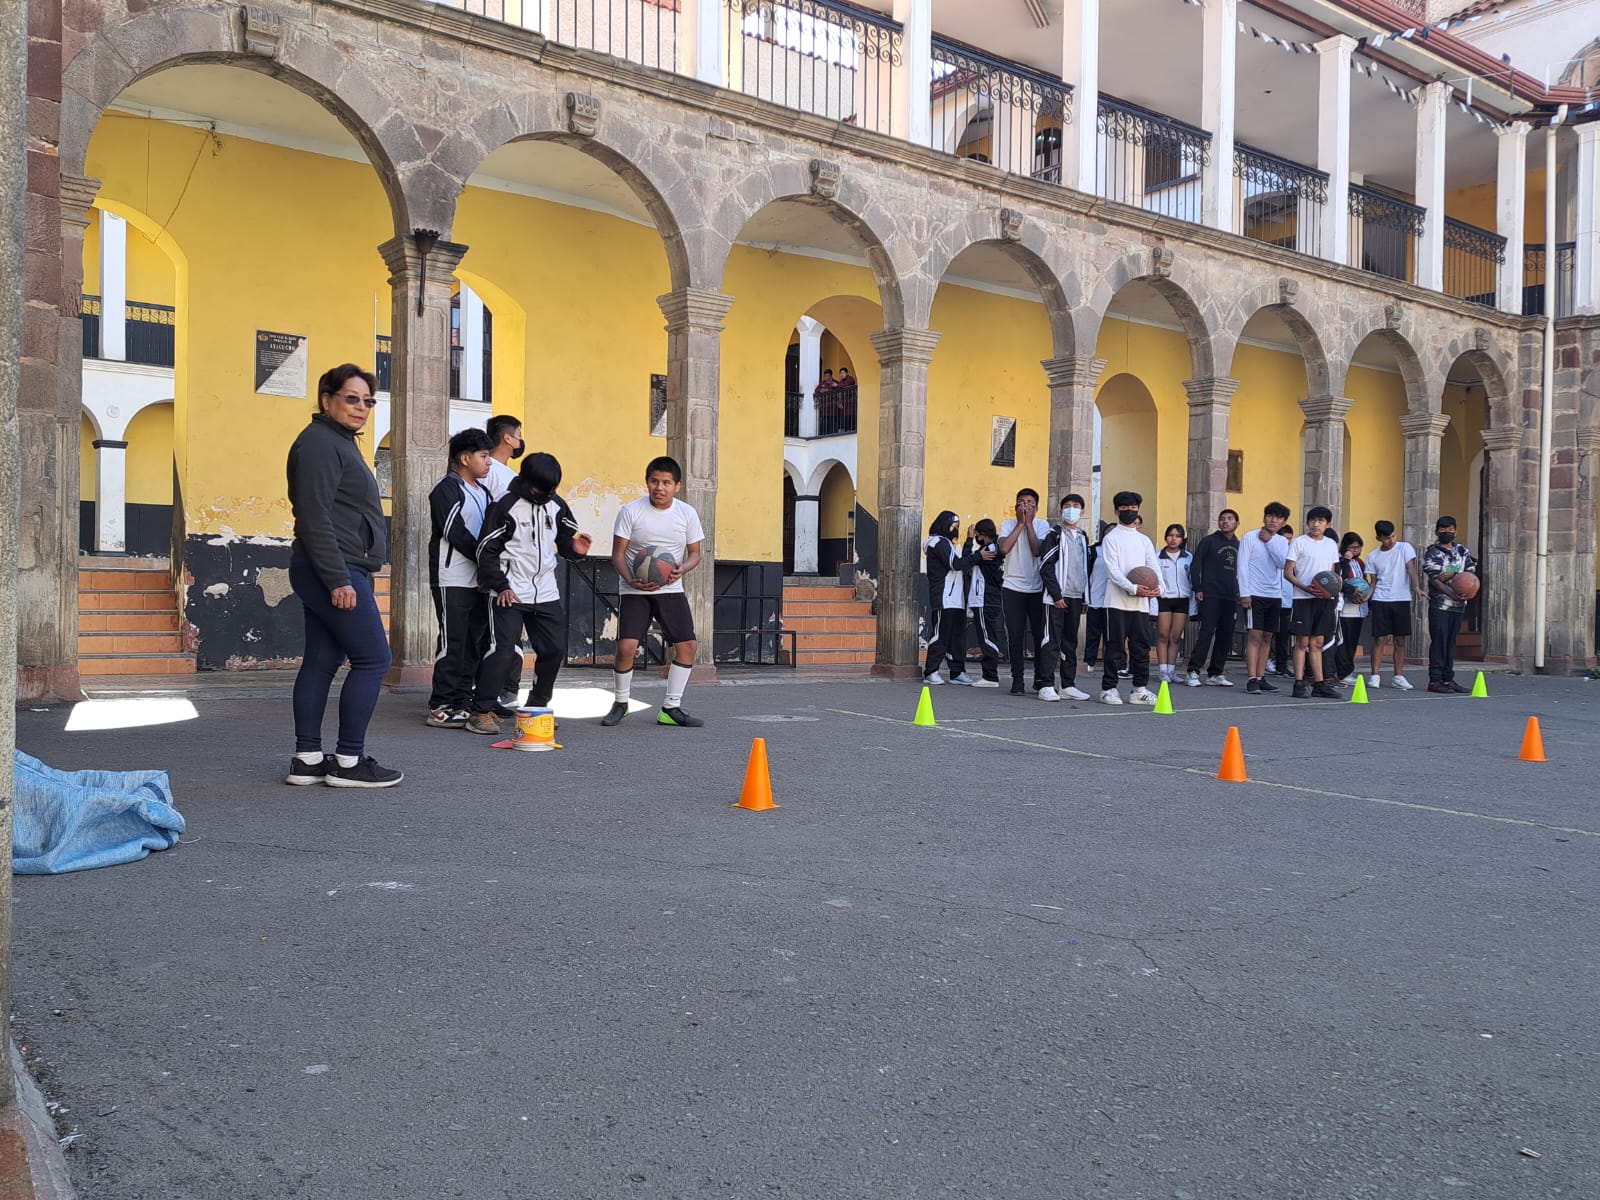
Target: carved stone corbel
(583, 114)
(824, 178)
(263, 31)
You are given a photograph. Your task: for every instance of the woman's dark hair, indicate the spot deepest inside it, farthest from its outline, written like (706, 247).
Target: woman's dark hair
(1182, 533)
(1350, 539)
(986, 527)
(332, 382)
(541, 472)
(941, 523)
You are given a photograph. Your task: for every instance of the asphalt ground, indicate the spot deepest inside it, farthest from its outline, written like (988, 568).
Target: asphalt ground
(1038, 951)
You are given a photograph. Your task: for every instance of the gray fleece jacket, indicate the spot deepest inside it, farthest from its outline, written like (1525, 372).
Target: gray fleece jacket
(338, 517)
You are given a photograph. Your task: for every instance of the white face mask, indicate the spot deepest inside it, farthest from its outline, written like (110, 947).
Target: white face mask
(1070, 515)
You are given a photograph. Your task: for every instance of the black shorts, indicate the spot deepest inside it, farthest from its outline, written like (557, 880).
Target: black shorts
(1390, 618)
(669, 609)
(1263, 613)
(1173, 604)
(1313, 618)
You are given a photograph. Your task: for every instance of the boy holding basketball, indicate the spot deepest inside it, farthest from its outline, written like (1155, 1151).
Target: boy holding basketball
(1441, 563)
(655, 543)
(1314, 617)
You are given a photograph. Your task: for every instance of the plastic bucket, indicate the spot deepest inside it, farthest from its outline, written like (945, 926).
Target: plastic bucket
(536, 729)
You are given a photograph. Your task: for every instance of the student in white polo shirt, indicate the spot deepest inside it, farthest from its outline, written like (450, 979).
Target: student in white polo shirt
(1261, 558)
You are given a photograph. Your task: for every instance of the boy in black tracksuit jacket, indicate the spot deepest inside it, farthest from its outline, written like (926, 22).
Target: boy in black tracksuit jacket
(457, 506)
(947, 600)
(985, 578)
(1064, 564)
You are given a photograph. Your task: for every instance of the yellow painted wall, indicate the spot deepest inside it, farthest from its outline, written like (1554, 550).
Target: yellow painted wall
(838, 498)
(1461, 445)
(150, 275)
(1377, 459)
(149, 440)
(1130, 445)
(1476, 206)
(1159, 358)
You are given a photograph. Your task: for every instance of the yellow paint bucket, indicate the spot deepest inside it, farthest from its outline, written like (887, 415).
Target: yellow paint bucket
(536, 729)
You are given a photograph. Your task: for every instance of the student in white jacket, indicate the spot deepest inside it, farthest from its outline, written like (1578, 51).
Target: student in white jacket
(1128, 604)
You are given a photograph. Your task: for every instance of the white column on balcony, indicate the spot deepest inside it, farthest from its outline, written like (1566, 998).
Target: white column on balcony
(1080, 67)
(1586, 224)
(700, 40)
(807, 533)
(1219, 44)
(1430, 184)
(1511, 211)
(113, 287)
(810, 373)
(911, 89)
(471, 383)
(110, 496)
(1333, 142)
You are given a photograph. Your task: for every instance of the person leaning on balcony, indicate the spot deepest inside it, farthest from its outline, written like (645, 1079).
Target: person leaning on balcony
(340, 539)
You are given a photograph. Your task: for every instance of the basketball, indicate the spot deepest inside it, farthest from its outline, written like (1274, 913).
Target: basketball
(1358, 590)
(1144, 577)
(1327, 581)
(653, 566)
(1465, 585)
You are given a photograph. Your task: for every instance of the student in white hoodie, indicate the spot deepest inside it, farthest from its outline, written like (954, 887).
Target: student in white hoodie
(1128, 603)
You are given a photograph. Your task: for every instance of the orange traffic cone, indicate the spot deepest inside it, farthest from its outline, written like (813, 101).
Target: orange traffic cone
(1532, 742)
(1232, 768)
(756, 794)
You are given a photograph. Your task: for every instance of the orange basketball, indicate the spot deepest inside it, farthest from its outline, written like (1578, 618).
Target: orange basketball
(1143, 577)
(1465, 585)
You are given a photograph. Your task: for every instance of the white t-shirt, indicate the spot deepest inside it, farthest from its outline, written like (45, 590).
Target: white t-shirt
(1022, 564)
(673, 529)
(1311, 556)
(1388, 567)
(499, 478)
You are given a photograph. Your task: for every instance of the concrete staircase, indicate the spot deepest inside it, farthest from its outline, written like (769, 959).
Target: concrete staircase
(128, 618)
(833, 629)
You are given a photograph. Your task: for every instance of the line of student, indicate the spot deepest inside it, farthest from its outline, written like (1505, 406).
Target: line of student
(1031, 583)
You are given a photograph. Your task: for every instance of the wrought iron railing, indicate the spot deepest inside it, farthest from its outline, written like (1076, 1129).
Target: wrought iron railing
(995, 111)
(1384, 232)
(149, 332)
(835, 409)
(383, 366)
(1150, 160)
(793, 402)
(640, 31)
(1278, 200)
(1534, 265)
(822, 57)
(1472, 260)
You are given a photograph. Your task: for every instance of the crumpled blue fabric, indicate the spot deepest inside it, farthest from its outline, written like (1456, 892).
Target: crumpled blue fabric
(77, 820)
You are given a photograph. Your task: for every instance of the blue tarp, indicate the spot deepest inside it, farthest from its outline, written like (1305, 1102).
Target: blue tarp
(75, 820)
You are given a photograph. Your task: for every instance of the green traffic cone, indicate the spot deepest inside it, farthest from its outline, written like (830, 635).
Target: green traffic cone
(1480, 689)
(1164, 700)
(1358, 694)
(924, 709)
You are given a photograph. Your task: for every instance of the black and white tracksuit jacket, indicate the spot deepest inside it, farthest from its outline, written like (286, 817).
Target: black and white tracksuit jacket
(457, 508)
(947, 579)
(1064, 563)
(522, 539)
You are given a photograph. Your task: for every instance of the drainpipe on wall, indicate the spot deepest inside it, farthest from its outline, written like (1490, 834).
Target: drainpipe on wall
(1541, 575)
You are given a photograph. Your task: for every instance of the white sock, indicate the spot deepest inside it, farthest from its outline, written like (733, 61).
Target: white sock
(622, 684)
(677, 681)
(347, 760)
(310, 757)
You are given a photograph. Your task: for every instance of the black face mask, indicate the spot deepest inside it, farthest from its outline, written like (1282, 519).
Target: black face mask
(1446, 538)
(517, 453)
(1127, 517)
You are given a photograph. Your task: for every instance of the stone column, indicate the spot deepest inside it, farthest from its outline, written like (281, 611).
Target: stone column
(1333, 142)
(1323, 442)
(1219, 47)
(1511, 211)
(110, 496)
(1080, 67)
(419, 435)
(1072, 380)
(1587, 528)
(694, 384)
(1430, 183)
(903, 358)
(1500, 547)
(1424, 434)
(807, 524)
(1209, 403)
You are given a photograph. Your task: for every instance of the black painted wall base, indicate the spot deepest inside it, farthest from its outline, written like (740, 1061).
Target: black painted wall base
(147, 533)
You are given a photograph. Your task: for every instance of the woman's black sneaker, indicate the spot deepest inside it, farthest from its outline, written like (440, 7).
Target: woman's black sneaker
(365, 774)
(303, 774)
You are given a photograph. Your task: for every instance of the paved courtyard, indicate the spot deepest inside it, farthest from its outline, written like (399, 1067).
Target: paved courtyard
(1038, 951)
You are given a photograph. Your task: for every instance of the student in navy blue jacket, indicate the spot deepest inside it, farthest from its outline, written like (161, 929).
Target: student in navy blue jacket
(947, 600)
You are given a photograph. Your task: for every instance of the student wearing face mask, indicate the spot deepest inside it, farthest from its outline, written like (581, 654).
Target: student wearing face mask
(505, 447)
(1064, 571)
(1128, 603)
(947, 600)
(1441, 563)
(985, 578)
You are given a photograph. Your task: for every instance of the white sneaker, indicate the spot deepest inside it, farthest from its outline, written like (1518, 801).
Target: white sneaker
(985, 683)
(1373, 680)
(1110, 696)
(1194, 679)
(1141, 696)
(1271, 670)
(933, 680)
(1349, 680)
(1073, 693)
(963, 679)
(1049, 694)
(1219, 681)
(1401, 682)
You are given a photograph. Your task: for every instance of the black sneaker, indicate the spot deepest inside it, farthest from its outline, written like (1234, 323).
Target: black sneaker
(619, 709)
(676, 716)
(1325, 691)
(303, 774)
(1302, 690)
(1252, 687)
(1266, 686)
(365, 774)
(500, 710)
(1017, 689)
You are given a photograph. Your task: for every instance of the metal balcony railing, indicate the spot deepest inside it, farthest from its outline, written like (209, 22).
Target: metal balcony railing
(994, 111)
(149, 332)
(1384, 232)
(835, 410)
(1278, 200)
(1534, 265)
(821, 57)
(1472, 261)
(1150, 160)
(383, 367)
(640, 31)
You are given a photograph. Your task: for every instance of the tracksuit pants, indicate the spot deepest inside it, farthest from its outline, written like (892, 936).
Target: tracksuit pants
(1061, 647)
(546, 627)
(990, 624)
(1130, 627)
(1217, 616)
(1025, 609)
(463, 615)
(1094, 633)
(949, 642)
